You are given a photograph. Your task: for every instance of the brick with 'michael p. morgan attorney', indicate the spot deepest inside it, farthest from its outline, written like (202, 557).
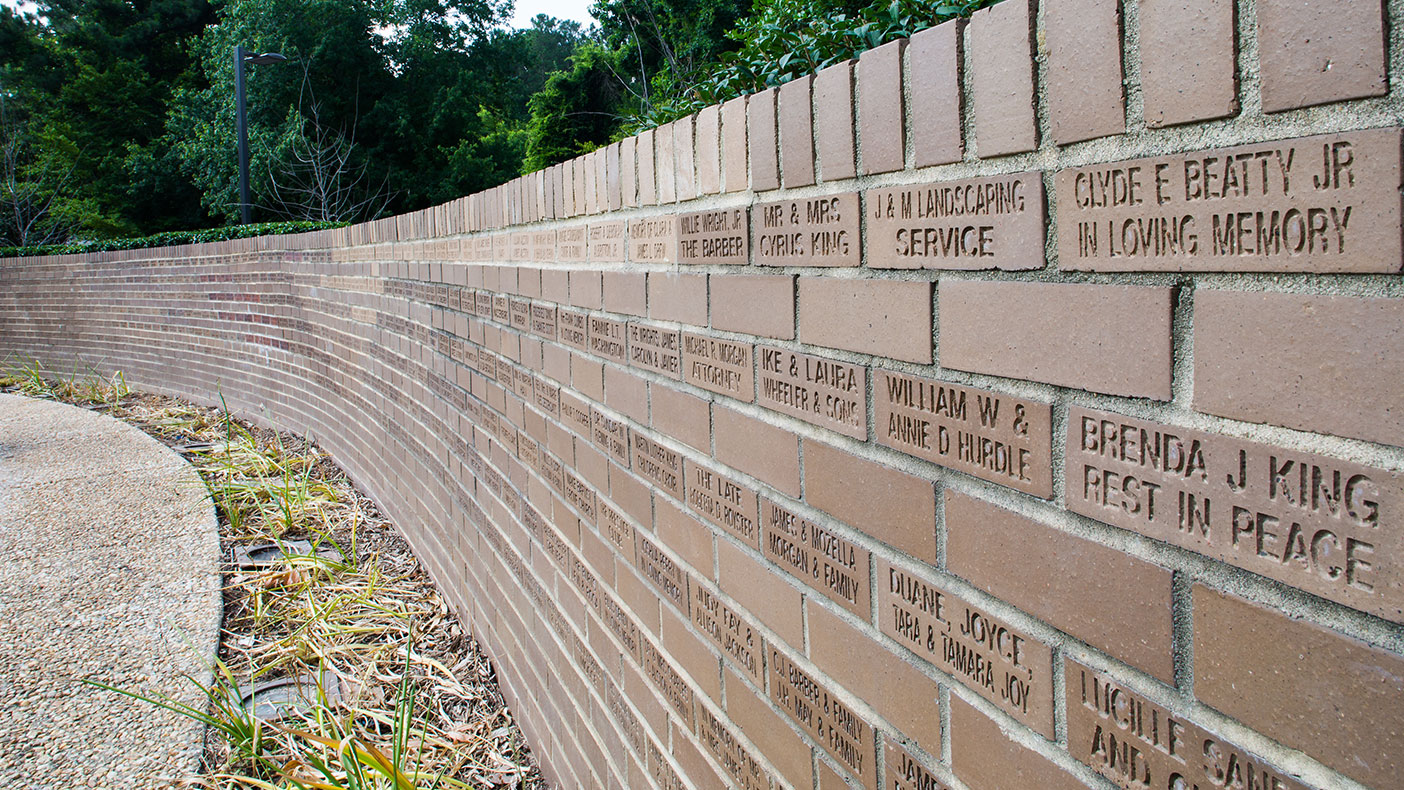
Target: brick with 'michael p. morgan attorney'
(1344, 379)
(1084, 69)
(1331, 696)
(1100, 338)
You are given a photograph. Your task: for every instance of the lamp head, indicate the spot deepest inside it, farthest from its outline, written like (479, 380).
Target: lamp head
(265, 58)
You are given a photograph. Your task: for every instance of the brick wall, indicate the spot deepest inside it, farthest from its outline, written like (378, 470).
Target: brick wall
(1019, 406)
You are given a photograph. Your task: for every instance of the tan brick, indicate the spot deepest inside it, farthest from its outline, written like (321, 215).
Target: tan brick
(796, 133)
(761, 591)
(1319, 51)
(761, 142)
(626, 292)
(1333, 697)
(647, 170)
(833, 113)
(733, 145)
(934, 58)
(682, 416)
(880, 317)
(1071, 335)
(685, 535)
(678, 297)
(665, 164)
(708, 132)
(892, 506)
(587, 289)
(1110, 600)
(626, 393)
(896, 690)
(1084, 69)
(684, 156)
(1001, 64)
(984, 757)
(1188, 63)
(1331, 364)
(881, 138)
(755, 304)
(692, 654)
(761, 450)
(628, 172)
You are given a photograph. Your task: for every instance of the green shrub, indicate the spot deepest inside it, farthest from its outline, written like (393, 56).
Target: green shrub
(170, 238)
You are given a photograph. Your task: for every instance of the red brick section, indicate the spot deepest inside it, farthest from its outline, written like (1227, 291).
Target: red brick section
(1064, 334)
(1001, 64)
(984, 757)
(796, 133)
(934, 56)
(1084, 69)
(1188, 63)
(1319, 51)
(897, 508)
(1333, 697)
(883, 317)
(764, 451)
(759, 305)
(761, 140)
(880, 115)
(833, 114)
(1348, 384)
(1113, 602)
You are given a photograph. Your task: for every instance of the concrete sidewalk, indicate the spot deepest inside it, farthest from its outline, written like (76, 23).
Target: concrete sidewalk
(109, 571)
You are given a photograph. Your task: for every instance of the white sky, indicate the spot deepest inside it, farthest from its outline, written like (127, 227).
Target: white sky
(579, 10)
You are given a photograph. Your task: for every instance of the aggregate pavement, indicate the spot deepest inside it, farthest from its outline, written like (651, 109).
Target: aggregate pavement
(109, 571)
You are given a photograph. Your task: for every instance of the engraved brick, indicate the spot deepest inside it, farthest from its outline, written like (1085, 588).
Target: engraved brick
(838, 729)
(653, 239)
(655, 348)
(899, 692)
(1108, 599)
(660, 671)
(1306, 520)
(881, 135)
(682, 416)
(742, 767)
(717, 364)
(1136, 743)
(820, 231)
(1320, 51)
(723, 501)
(733, 144)
(678, 297)
(1084, 69)
(708, 132)
(904, 771)
(822, 559)
(1288, 676)
(658, 464)
(729, 631)
(1316, 204)
(610, 435)
(625, 292)
(659, 570)
(665, 163)
(761, 142)
(716, 236)
(881, 317)
(1001, 64)
(833, 112)
(684, 154)
(991, 435)
(685, 535)
(1344, 381)
(606, 244)
(607, 338)
(761, 450)
(976, 223)
(1188, 61)
(825, 392)
(796, 133)
(755, 304)
(761, 592)
(985, 758)
(892, 506)
(934, 57)
(1071, 335)
(1002, 664)
(648, 180)
(757, 721)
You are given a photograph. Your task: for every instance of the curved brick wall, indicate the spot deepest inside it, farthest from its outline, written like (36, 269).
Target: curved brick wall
(956, 418)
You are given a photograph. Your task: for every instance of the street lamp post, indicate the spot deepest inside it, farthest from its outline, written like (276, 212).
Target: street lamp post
(242, 56)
